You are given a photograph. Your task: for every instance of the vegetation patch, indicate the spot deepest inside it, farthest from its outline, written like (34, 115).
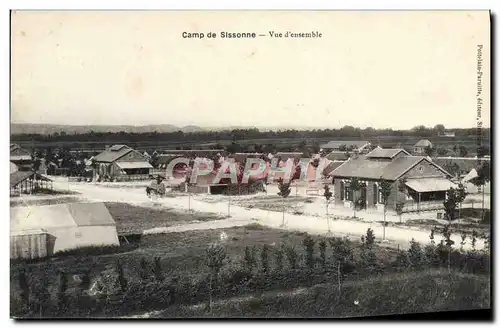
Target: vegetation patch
(136, 219)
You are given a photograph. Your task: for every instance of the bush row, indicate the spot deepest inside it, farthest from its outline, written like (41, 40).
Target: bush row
(260, 269)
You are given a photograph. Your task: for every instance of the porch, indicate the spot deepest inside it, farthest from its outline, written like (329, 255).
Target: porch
(426, 194)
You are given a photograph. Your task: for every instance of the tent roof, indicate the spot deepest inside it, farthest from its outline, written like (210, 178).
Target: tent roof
(68, 215)
(90, 214)
(430, 184)
(470, 176)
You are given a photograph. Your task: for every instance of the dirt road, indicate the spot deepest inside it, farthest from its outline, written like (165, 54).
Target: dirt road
(242, 216)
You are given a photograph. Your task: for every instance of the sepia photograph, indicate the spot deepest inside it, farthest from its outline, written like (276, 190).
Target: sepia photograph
(180, 164)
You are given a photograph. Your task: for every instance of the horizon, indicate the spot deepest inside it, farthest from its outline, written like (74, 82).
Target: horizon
(272, 128)
(134, 68)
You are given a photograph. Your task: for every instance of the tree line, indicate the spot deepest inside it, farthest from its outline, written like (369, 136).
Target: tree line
(246, 134)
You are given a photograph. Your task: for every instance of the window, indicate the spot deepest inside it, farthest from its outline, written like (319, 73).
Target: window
(348, 193)
(380, 199)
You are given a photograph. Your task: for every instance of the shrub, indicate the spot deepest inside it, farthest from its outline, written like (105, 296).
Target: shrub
(264, 258)
(291, 256)
(157, 269)
(61, 292)
(144, 269)
(279, 254)
(122, 281)
(309, 243)
(24, 286)
(322, 253)
(341, 253)
(249, 259)
(430, 255)
(415, 254)
(368, 258)
(41, 304)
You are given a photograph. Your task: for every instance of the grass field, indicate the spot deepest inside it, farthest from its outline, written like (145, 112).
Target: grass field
(182, 254)
(136, 219)
(43, 201)
(470, 142)
(397, 293)
(275, 294)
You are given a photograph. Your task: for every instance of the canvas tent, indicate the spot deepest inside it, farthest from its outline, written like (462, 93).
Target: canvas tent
(67, 226)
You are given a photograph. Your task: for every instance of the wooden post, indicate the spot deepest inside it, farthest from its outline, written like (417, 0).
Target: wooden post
(418, 205)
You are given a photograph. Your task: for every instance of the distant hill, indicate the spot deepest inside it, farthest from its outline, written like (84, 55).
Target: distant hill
(20, 128)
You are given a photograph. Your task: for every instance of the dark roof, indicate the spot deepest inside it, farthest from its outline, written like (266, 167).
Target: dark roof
(20, 176)
(423, 143)
(15, 150)
(284, 156)
(385, 153)
(337, 156)
(336, 144)
(362, 167)
(331, 167)
(113, 153)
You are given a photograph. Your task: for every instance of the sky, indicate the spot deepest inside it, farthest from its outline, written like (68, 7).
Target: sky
(379, 69)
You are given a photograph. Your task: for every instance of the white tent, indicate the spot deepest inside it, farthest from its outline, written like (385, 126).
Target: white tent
(471, 175)
(70, 225)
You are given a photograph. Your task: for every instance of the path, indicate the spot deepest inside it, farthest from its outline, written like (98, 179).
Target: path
(241, 216)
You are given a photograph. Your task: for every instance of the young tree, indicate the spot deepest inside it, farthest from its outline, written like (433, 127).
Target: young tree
(279, 255)
(462, 151)
(448, 243)
(61, 292)
(355, 186)
(415, 254)
(264, 258)
(328, 195)
(400, 210)
(454, 196)
(341, 254)
(143, 269)
(442, 151)
(121, 280)
(385, 190)
(429, 151)
(483, 176)
(215, 257)
(308, 244)
(157, 269)
(284, 192)
(291, 256)
(322, 253)
(24, 286)
(249, 260)
(368, 250)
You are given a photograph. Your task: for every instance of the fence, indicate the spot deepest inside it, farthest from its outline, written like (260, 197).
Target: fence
(132, 177)
(413, 206)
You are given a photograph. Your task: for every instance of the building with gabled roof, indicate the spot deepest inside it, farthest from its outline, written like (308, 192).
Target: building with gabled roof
(20, 157)
(122, 163)
(416, 180)
(419, 147)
